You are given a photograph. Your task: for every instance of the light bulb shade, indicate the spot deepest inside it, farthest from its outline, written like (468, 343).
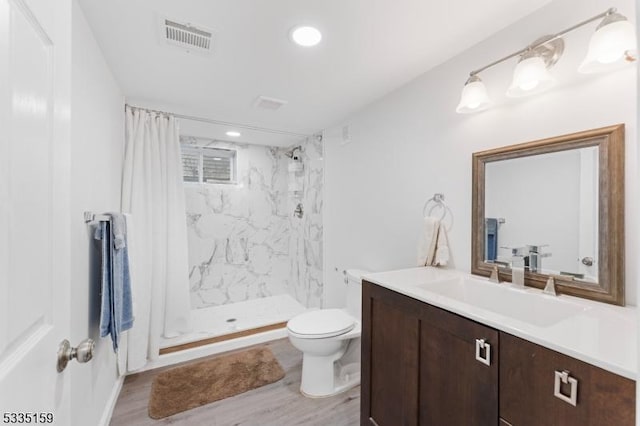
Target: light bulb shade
(530, 76)
(609, 46)
(474, 97)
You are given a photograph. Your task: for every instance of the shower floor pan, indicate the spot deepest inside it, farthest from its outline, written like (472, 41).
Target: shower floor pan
(219, 323)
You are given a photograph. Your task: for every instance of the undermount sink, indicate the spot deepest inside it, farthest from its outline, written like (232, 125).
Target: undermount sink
(527, 305)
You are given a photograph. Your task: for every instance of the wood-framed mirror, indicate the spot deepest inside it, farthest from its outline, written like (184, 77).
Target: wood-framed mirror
(561, 200)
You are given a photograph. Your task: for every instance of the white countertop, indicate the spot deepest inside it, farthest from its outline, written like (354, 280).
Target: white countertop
(599, 334)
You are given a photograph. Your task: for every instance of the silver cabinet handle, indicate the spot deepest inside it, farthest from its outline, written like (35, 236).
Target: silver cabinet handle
(564, 377)
(483, 346)
(83, 353)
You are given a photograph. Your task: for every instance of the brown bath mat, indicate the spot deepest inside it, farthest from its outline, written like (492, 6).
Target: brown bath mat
(192, 385)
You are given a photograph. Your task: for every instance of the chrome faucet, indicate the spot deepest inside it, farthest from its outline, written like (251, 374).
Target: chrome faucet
(535, 257)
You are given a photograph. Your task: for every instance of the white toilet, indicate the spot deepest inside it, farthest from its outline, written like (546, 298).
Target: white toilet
(330, 342)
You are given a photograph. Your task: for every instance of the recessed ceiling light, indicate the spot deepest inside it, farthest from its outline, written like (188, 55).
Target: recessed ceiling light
(306, 36)
(233, 134)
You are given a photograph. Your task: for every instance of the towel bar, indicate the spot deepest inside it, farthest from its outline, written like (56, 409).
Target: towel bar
(91, 217)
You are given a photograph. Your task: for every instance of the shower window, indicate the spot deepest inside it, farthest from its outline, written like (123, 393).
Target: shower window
(208, 165)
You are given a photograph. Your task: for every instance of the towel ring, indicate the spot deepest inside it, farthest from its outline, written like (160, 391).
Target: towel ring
(438, 201)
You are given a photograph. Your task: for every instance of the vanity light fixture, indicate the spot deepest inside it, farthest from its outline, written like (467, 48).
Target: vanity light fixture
(532, 72)
(531, 75)
(474, 96)
(233, 134)
(614, 42)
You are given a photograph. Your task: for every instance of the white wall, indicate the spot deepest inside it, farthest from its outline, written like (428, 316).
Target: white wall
(97, 138)
(411, 144)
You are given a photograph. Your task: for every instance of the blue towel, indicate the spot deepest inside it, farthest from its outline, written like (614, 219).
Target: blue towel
(116, 313)
(491, 239)
(118, 230)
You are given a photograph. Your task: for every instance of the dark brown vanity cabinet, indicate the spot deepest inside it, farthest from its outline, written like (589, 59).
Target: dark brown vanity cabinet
(422, 365)
(390, 358)
(540, 386)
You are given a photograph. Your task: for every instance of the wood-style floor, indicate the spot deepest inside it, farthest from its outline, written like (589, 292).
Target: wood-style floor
(279, 403)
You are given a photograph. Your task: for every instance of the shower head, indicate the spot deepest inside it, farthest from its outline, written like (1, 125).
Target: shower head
(294, 152)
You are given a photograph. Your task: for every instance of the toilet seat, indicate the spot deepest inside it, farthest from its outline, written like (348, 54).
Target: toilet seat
(321, 324)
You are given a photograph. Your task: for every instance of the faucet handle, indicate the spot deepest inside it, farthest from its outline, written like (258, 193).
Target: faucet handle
(550, 288)
(517, 251)
(535, 250)
(495, 275)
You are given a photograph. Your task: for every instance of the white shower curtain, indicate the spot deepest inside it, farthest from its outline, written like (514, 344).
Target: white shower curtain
(153, 193)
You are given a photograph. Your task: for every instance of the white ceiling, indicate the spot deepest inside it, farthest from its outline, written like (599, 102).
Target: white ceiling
(369, 48)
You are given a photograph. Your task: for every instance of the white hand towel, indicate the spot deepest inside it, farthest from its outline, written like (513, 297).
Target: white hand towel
(427, 243)
(442, 247)
(432, 248)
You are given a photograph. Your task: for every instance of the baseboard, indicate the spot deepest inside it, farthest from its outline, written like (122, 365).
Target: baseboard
(105, 419)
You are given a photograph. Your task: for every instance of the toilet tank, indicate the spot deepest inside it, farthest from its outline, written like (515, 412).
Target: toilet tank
(353, 279)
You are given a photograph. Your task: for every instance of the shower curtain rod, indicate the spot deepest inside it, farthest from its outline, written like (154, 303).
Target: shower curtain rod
(228, 123)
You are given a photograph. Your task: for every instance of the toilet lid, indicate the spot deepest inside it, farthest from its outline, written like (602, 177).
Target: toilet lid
(322, 323)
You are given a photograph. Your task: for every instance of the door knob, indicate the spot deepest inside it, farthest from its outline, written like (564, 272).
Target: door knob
(83, 353)
(587, 261)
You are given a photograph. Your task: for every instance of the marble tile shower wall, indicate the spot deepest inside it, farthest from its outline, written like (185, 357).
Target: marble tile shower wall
(243, 241)
(306, 233)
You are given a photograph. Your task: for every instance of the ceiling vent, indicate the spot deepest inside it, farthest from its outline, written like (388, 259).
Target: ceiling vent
(186, 36)
(272, 104)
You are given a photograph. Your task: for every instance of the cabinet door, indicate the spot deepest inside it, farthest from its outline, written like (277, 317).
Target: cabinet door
(389, 358)
(527, 389)
(458, 370)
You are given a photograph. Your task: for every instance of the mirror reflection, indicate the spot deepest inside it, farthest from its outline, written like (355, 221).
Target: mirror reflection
(543, 209)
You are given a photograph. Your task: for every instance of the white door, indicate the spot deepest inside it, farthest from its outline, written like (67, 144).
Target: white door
(35, 45)
(587, 260)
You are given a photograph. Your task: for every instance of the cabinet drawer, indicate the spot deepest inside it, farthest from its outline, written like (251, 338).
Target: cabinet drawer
(390, 356)
(459, 362)
(540, 386)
